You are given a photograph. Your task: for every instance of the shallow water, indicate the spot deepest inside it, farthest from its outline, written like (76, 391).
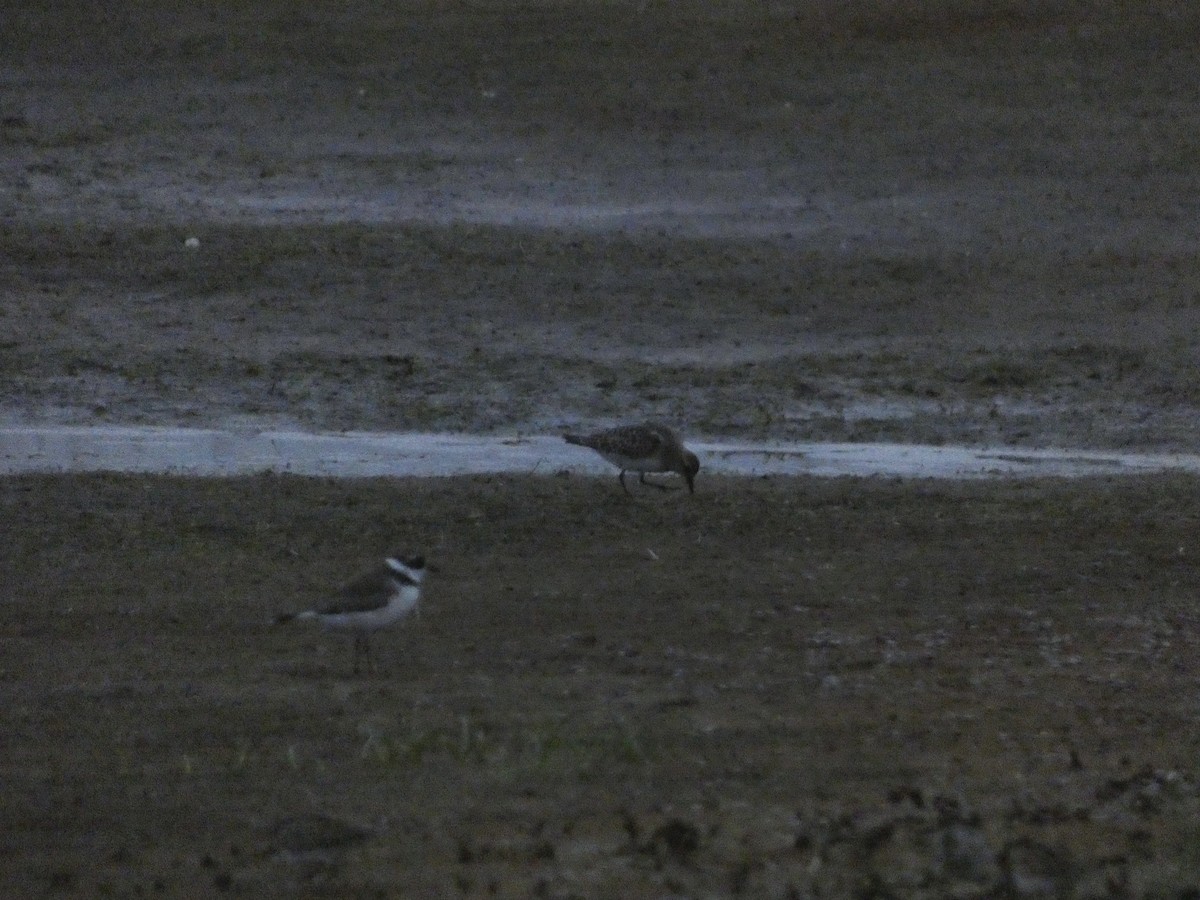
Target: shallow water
(356, 454)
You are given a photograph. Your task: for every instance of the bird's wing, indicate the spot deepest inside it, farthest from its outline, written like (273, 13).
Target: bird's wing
(662, 434)
(363, 594)
(634, 441)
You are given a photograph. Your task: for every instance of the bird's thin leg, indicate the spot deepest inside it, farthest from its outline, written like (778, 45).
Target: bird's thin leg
(362, 653)
(621, 478)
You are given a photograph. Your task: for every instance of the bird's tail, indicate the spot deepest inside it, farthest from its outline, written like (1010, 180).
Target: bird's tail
(573, 439)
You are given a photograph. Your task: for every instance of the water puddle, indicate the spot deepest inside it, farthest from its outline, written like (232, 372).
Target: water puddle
(186, 451)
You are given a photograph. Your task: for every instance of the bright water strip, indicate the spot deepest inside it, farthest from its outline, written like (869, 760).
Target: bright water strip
(185, 451)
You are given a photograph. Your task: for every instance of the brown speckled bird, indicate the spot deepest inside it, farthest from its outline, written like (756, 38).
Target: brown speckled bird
(642, 448)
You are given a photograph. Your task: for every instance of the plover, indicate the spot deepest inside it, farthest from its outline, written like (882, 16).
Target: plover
(642, 448)
(374, 600)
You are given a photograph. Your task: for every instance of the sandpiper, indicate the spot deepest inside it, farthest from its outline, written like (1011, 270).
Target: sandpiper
(649, 447)
(374, 600)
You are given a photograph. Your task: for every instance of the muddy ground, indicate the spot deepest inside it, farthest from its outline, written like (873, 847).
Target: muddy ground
(959, 220)
(779, 687)
(942, 222)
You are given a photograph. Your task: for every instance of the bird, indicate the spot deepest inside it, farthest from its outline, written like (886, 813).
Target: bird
(376, 599)
(649, 447)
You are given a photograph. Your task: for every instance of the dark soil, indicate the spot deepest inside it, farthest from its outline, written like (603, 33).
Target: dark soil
(778, 687)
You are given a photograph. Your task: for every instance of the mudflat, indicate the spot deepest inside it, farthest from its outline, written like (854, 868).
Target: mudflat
(954, 221)
(958, 222)
(777, 687)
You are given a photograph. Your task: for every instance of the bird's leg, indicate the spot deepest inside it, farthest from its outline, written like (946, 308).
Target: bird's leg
(621, 478)
(362, 651)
